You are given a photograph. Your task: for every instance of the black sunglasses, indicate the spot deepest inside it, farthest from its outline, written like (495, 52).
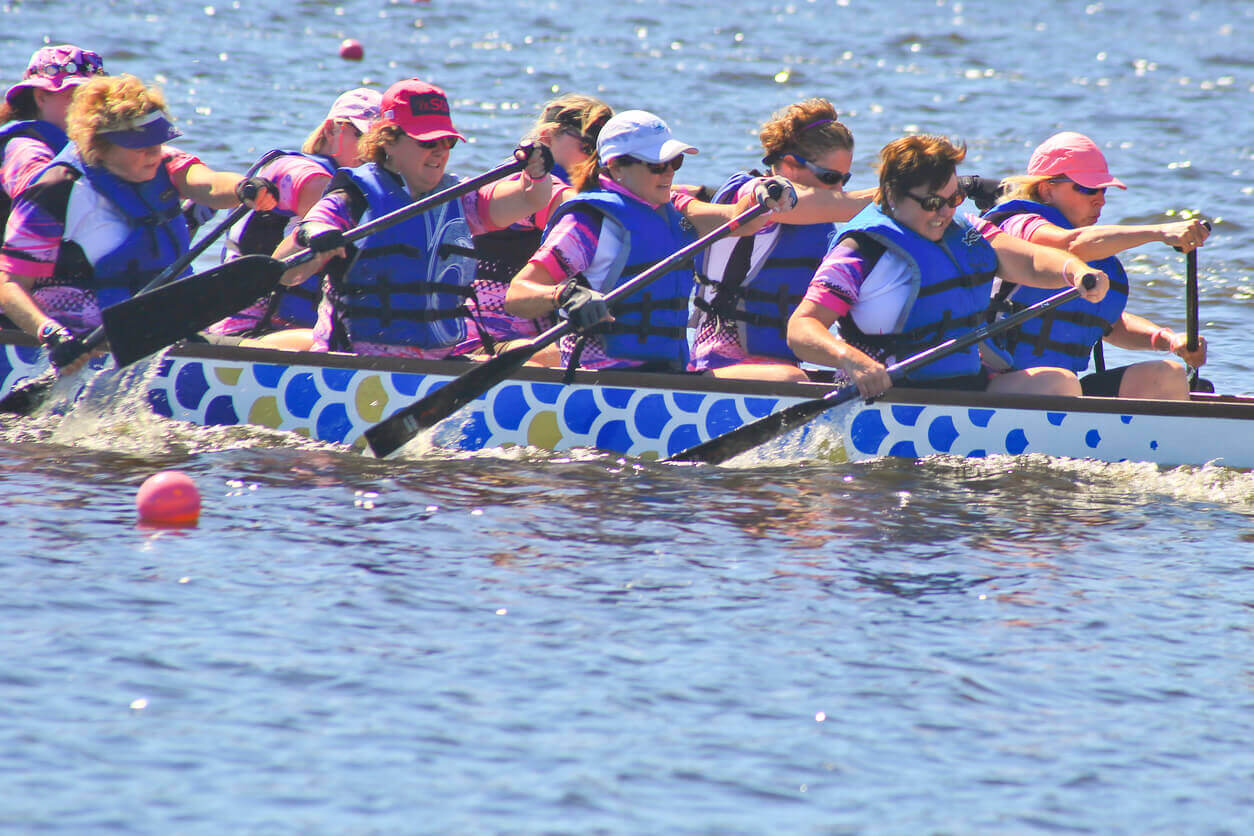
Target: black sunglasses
(674, 164)
(828, 176)
(934, 202)
(1084, 190)
(446, 141)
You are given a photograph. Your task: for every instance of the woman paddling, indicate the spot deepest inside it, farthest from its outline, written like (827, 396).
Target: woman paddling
(32, 117)
(748, 287)
(402, 291)
(568, 126)
(624, 218)
(907, 273)
(1057, 204)
(286, 318)
(104, 218)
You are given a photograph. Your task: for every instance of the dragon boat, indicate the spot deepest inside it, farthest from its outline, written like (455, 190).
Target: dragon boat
(336, 397)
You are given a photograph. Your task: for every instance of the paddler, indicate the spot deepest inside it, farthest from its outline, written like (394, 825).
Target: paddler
(624, 218)
(402, 291)
(1058, 203)
(285, 319)
(104, 217)
(908, 273)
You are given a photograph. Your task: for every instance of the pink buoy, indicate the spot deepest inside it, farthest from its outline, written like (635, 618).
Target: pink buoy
(168, 498)
(351, 49)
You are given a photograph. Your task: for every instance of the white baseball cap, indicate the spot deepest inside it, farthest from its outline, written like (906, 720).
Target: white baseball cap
(639, 134)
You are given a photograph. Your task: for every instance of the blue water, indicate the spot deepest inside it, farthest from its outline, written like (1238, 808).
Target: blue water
(525, 643)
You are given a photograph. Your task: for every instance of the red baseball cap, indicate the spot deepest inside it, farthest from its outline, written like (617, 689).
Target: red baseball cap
(1073, 155)
(419, 109)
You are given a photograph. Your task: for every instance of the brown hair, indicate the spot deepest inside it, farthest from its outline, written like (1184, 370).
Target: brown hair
(916, 161)
(809, 128)
(107, 103)
(24, 108)
(372, 147)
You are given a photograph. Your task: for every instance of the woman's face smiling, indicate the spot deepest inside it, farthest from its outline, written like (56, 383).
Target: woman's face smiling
(422, 167)
(637, 178)
(931, 225)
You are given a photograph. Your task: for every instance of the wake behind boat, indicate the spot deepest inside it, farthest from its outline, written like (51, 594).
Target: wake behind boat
(337, 397)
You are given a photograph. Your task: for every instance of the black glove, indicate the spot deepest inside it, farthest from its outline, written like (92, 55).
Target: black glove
(63, 347)
(533, 154)
(321, 242)
(983, 190)
(248, 189)
(775, 188)
(583, 306)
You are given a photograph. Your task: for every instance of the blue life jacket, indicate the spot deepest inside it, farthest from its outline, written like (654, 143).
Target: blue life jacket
(46, 132)
(1065, 336)
(158, 231)
(650, 325)
(259, 233)
(951, 282)
(761, 300)
(405, 285)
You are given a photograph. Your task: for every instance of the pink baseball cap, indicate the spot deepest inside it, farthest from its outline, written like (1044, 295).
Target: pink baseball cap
(419, 109)
(54, 68)
(1073, 155)
(359, 107)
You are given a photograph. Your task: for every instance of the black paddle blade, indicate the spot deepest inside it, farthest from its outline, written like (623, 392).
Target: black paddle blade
(397, 430)
(27, 396)
(728, 445)
(159, 318)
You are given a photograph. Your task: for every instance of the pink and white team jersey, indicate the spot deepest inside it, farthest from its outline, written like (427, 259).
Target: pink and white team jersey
(40, 224)
(290, 174)
(568, 250)
(488, 303)
(716, 342)
(335, 209)
(23, 158)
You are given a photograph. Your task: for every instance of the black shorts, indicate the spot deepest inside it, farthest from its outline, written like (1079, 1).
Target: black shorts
(1103, 384)
(965, 383)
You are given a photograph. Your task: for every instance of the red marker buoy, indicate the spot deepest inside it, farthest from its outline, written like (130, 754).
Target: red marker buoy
(168, 498)
(351, 49)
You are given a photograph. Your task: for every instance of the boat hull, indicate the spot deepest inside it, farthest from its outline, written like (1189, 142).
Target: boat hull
(335, 398)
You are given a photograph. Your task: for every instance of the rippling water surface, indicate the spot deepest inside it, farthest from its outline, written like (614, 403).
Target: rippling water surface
(517, 642)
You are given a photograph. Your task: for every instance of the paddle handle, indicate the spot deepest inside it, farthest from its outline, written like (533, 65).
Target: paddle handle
(416, 208)
(1190, 299)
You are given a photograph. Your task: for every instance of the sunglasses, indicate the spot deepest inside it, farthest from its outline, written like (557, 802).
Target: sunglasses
(443, 142)
(1084, 190)
(89, 66)
(673, 164)
(934, 202)
(828, 176)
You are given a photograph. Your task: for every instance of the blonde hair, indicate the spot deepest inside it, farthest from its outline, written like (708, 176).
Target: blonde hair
(316, 141)
(1023, 187)
(372, 147)
(107, 103)
(585, 114)
(809, 128)
(917, 161)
